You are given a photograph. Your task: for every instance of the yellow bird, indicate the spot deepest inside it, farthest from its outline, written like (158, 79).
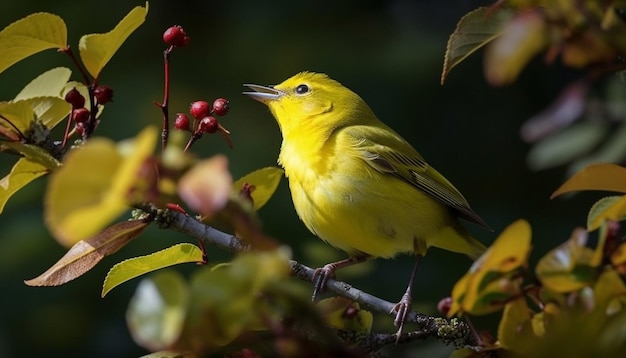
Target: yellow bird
(357, 184)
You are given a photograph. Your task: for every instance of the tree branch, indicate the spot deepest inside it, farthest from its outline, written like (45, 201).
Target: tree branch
(453, 331)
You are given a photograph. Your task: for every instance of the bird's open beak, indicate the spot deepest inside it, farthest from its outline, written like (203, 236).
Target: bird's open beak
(263, 93)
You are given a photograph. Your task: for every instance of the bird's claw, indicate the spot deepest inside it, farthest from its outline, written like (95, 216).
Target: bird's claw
(320, 278)
(401, 309)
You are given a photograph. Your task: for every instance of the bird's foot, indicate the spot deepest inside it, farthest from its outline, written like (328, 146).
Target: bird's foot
(320, 277)
(401, 309)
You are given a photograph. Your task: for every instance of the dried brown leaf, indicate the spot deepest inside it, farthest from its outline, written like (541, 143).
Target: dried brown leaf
(85, 254)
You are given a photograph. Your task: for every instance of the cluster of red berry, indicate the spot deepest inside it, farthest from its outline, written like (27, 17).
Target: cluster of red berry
(204, 114)
(80, 115)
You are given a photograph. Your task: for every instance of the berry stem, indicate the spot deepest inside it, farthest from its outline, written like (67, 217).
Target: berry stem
(166, 97)
(194, 137)
(68, 51)
(90, 125)
(67, 130)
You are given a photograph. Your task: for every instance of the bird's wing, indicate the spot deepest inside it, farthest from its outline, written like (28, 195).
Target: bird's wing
(388, 153)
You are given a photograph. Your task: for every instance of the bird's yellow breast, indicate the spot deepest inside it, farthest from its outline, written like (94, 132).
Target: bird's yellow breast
(356, 208)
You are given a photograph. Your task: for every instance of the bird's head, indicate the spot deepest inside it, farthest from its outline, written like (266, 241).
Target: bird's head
(310, 101)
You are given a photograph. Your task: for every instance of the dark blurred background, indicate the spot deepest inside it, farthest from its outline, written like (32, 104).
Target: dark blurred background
(390, 52)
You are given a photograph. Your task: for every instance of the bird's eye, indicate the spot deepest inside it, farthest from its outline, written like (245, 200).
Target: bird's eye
(302, 89)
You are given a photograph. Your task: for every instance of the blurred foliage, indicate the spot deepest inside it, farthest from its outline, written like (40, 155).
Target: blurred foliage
(388, 51)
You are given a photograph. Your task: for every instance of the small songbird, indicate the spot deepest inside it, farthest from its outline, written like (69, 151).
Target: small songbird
(357, 184)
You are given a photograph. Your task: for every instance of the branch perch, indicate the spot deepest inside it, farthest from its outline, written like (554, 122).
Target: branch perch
(452, 331)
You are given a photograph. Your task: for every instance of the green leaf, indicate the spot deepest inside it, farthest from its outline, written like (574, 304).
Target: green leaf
(137, 266)
(157, 311)
(566, 145)
(476, 29)
(613, 150)
(522, 38)
(35, 154)
(608, 208)
(226, 299)
(265, 182)
(32, 34)
(91, 188)
(23, 172)
(607, 177)
(49, 83)
(84, 255)
(97, 49)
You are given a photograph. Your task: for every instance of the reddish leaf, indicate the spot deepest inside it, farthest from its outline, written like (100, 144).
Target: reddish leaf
(206, 187)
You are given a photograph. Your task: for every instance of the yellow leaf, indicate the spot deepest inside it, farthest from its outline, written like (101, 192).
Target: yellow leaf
(515, 329)
(344, 314)
(137, 266)
(604, 176)
(49, 110)
(91, 188)
(567, 267)
(49, 83)
(19, 113)
(508, 252)
(522, 38)
(23, 172)
(490, 280)
(32, 34)
(475, 29)
(610, 208)
(84, 255)
(458, 294)
(618, 258)
(265, 181)
(97, 49)
(609, 287)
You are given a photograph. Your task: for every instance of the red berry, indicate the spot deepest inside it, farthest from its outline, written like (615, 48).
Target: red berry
(74, 98)
(80, 115)
(182, 122)
(208, 124)
(444, 305)
(221, 106)
(199, 109)
(103, 94)
(176, 36)
(80, 128)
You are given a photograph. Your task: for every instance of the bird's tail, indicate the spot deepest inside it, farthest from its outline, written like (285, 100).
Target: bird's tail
(457, 239)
